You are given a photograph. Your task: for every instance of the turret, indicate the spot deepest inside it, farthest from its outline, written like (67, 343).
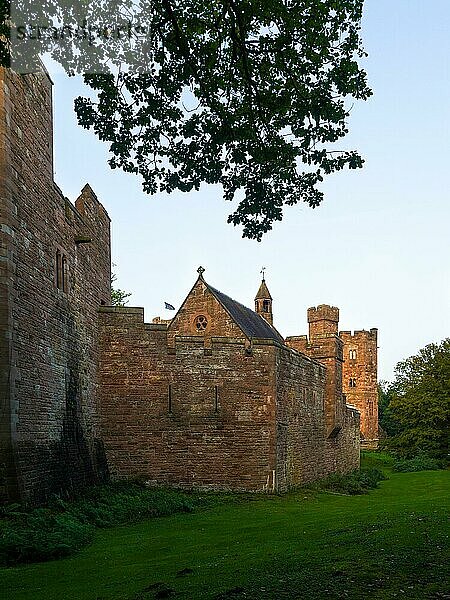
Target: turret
(323, 321)
(326, 347)
(263, 302)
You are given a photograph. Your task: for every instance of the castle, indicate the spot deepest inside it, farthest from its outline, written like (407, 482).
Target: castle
(214, 398)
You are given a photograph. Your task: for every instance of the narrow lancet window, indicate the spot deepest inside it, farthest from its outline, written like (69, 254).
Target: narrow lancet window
(58, 269)
(64, 274)
(216, 398)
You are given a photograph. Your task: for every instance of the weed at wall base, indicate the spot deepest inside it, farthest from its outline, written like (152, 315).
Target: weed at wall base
(354, 483)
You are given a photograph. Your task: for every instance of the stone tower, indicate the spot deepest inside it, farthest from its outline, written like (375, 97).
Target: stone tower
(325, 346)
(360, 380)
(263, 302)
(54, 274)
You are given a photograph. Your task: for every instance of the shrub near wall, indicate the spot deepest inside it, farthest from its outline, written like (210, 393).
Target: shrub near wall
(421, 462)
(357, 482)
(66, 527)
(41, 535)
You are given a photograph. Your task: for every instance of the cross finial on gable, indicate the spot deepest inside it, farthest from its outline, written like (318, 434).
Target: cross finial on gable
(200, 271)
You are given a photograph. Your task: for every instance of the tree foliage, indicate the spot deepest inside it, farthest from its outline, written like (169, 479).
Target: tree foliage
(118, 296)
(248, 94)
(5, 9)
(420, 402)
(387, 424)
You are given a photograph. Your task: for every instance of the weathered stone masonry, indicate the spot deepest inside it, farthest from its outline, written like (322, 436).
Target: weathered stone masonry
(202, 403)
(194, 434)
(360, 380)
(213, 398)
(54, 273)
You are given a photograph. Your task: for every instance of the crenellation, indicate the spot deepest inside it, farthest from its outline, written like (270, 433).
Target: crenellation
(359, 333)
(156, 326)
(323, 311)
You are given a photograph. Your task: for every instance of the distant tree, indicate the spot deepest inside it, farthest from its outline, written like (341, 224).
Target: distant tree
(420, 402)
(250, 95)
(118, 296)
(386, 421)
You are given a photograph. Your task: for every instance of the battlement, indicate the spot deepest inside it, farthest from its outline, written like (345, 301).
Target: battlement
(159, 321)
(323, 321)
(137, 312)
(360, 334)
(323, 312)
(121, 318)
(297, 338)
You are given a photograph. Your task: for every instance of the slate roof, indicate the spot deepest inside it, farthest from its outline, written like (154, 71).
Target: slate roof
(252, 324)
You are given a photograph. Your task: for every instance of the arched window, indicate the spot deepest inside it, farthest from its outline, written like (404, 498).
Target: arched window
(352, 354)
(352, 382)
(266, 305)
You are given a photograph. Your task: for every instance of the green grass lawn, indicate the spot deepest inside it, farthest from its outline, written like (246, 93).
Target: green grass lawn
(391, 543)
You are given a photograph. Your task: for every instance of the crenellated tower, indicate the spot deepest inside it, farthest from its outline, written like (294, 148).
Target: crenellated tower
(360, 380)
(326, 346)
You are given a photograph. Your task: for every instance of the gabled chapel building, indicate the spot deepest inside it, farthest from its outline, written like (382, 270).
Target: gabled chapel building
(216, 398)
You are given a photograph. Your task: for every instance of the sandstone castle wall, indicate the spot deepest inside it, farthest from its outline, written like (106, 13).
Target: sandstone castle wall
(300, 419)
(220, 412)
(185, 415)
(54, 273)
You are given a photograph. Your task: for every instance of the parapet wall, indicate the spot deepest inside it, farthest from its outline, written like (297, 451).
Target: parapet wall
(323, 312)
(186, 415)
(359, 334)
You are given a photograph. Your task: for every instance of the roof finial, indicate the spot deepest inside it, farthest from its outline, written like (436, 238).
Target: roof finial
(200, 271)
(262, 273)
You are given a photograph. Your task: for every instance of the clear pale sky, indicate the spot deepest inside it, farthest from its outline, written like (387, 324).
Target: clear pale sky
(379, 245)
